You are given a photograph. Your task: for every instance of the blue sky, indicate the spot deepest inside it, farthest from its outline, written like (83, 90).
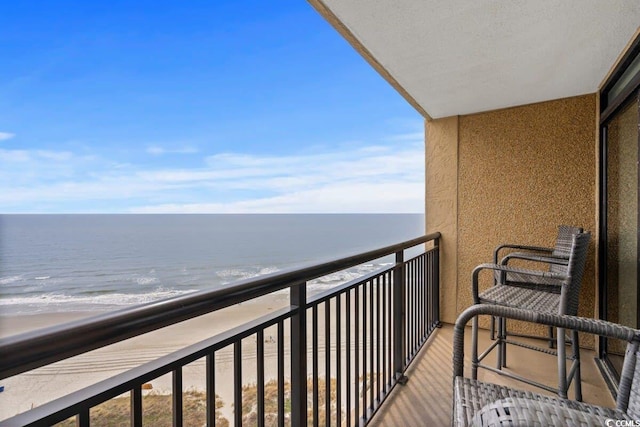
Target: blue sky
(199, 106)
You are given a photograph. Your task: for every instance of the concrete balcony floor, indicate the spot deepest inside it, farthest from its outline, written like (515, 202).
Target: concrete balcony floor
(426, 400)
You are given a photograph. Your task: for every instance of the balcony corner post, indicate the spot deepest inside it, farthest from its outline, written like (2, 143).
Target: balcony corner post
(399, 308)
(298, 298)
(436, 283)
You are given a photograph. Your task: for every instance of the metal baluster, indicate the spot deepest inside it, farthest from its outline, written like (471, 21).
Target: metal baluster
(414, 304)
(136, 406)
(83, 418)
(210, 363)
(260, 376)
(237, 382)
(314, 327)
(436, 282)
(298, 298)
(364, 350)
(281, 415)
(429, 278)
(379, 345)
(349, 380)
(177, 397)
(371, 344)
(338, 361)
(390, 326)
(327, 362)
(384, 333)
(357, 354)
(399, 317)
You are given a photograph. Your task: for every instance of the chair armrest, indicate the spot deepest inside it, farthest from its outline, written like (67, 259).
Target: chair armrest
(581, 324)
(529, 248)
(528, 256)
(507, 269)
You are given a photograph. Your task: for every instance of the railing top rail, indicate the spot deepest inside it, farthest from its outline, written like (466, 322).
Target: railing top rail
(21, 353)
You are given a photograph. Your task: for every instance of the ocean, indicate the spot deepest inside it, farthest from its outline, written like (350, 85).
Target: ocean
(65, 263)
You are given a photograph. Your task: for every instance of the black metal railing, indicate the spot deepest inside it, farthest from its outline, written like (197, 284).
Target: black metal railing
(348, 347)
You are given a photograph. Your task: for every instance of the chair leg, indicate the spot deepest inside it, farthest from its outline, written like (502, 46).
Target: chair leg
(474, 348)
(562, 363)
(503, 346)
(499, 342)
(551, 337)
(575, 345)
(492, 328)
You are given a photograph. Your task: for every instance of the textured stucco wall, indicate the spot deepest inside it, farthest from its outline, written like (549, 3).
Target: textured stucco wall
(441, 176)
(519, 172)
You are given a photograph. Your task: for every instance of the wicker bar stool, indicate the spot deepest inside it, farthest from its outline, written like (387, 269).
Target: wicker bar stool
(543, 291)
(477, 403)
(556, 258)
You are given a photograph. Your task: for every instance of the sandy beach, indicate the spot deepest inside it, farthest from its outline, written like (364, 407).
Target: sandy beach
(42, 385)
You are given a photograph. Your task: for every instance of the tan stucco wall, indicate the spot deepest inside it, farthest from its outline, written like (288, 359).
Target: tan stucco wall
(510, 175)
(441, 177)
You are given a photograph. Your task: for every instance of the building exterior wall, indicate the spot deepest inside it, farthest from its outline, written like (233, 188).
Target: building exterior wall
(441, 177)
(510, 175)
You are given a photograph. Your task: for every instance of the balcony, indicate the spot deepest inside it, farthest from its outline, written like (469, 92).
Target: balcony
(369, 351)
(349, 344)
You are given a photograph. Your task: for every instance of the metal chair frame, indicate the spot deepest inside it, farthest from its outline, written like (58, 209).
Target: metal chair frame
(544, 291)
(481, 403)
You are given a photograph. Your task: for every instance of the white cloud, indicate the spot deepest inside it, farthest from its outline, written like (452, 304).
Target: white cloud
(393, 197)
(14, 156)
(412, 136)
(6, 135)
(369, 179)
(374, 178)
(156, 150)
(58, 156)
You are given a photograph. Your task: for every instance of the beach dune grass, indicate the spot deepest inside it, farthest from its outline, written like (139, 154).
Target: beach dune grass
(250, 403)
(157, 407)
(156, 411)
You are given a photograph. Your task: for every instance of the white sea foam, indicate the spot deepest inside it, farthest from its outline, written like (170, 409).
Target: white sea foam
(340, 277)
(53, 301)
(230, 275)
(145, 280)
(268, 270)
(10, 279)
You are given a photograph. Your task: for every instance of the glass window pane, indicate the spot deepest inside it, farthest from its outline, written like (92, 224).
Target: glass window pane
(622, 220)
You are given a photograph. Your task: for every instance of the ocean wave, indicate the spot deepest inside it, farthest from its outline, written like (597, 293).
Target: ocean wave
(344, 276)
(145, 280)
(336, 278)
(10, 279)
(86, 301)
(41, 297)
(229, 275)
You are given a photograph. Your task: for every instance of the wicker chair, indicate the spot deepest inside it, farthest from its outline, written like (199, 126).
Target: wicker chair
(560, 250)
(477, 403)
(555, 258)
(551, 292)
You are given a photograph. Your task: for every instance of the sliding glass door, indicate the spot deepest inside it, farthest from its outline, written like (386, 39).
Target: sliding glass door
(619, 296)
(622, 222)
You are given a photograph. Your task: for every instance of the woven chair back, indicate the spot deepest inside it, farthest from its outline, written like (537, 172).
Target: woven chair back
(575, 272)
(564, 241)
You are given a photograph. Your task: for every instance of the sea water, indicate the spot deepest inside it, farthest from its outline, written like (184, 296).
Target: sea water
(63, 263)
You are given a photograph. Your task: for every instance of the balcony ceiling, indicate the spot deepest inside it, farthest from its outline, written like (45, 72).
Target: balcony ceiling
(465, 56)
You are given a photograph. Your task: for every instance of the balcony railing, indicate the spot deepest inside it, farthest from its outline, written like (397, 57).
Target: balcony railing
(372, 329)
